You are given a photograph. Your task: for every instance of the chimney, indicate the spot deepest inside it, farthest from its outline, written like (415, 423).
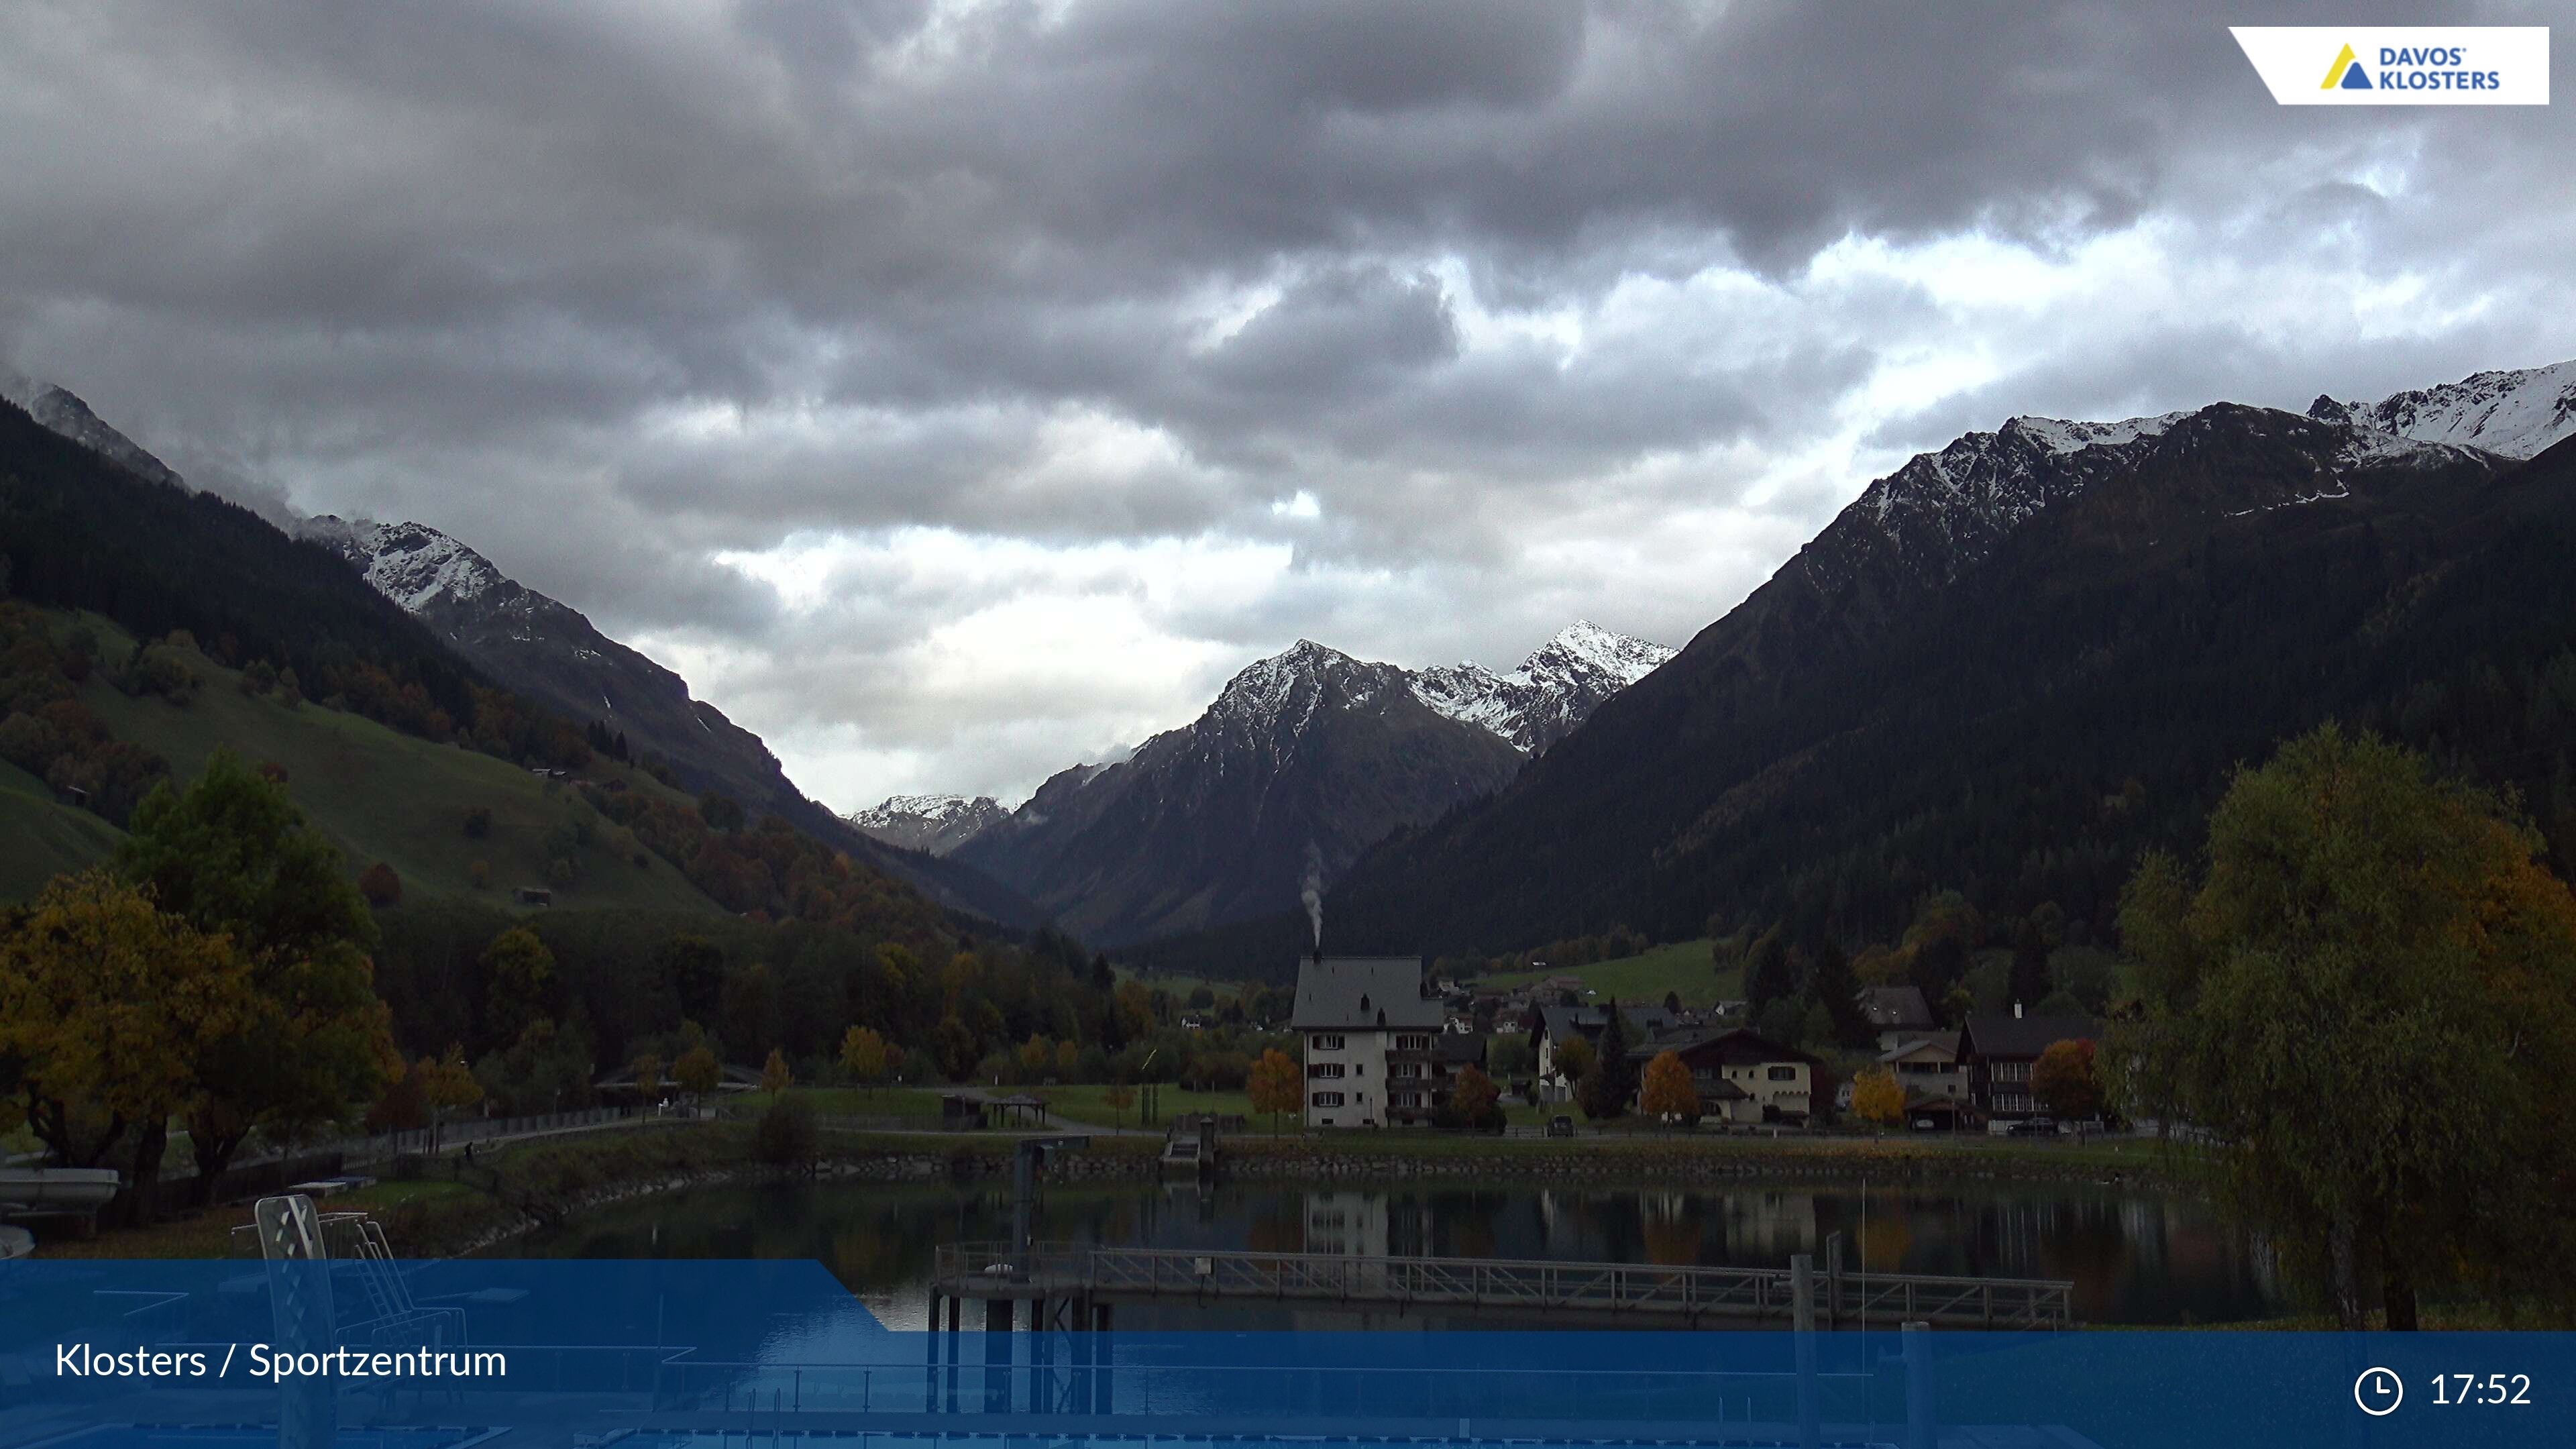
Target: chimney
(2016, 1011)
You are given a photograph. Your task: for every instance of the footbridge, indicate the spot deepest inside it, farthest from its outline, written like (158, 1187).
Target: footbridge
(1070, 1285)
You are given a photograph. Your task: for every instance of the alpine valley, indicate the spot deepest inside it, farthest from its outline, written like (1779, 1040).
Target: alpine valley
(1304, 760)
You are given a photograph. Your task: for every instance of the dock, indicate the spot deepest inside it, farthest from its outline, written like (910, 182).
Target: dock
(1072, 1285)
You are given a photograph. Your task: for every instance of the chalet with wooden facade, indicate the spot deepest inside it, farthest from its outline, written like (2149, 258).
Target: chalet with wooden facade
(1997, 1050)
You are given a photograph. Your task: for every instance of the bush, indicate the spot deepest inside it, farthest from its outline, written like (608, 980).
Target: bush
(787, 1136)
(380, 885)
(478, 822)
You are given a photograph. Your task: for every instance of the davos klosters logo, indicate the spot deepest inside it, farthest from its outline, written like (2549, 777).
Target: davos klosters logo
(2414, 65)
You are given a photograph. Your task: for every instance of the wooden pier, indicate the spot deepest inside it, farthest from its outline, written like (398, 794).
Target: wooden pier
(1071, 1285)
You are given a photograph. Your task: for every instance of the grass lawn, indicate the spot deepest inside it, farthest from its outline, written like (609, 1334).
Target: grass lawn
(1181, 985)
(919, 1104)
(41, 838)
(1090, 1105)
(1683, 967)
(384, 796)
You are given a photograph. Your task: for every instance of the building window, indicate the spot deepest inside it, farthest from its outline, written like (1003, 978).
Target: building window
(1413, 1043)
(1405, 1069)
(1784, 1074)
(1323, 1069)
(1326, 1043)
(1328, 1099)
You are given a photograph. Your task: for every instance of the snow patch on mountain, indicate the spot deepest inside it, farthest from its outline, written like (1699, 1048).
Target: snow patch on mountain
(412, 564)
(934, 823)
(1551, 692)
(60, 410)
(2514, 413)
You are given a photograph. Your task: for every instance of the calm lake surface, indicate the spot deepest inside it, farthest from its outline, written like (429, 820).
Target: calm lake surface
(2134, 1256)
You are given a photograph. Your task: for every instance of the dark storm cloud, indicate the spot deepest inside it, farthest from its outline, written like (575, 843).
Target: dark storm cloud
(713, 277)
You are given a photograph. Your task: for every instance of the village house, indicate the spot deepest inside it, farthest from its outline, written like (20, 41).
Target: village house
(1551, 1026)
(1742, 1075)
(1997, 1050)
(1371, 1034)
(1928, 1063)
(1897, 1013)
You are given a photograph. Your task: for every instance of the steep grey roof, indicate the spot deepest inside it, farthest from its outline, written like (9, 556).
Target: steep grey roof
(1363, 993)
(1643, 1021)
(2002, 1034)
(1461, 1048)
(1896, 1008)
(1947, 1041)
(1734, 1046)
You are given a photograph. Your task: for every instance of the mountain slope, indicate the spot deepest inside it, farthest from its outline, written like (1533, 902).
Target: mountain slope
(553, 653)
(932, 824)
(1303, 760)
(1551, 692)
(2516, 414)
(63, 412)
(1948, 684)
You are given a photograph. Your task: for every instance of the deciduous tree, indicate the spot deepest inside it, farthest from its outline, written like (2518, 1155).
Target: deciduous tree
(2065, 1079)
(1275, 1086)
(864, 1055)
(2369, 996)
(1878, 1098)
(108, 1009)
(697, 1072)
(1669, 1092)
(231, 854)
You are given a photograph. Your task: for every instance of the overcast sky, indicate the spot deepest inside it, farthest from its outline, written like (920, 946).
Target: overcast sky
(957, 391)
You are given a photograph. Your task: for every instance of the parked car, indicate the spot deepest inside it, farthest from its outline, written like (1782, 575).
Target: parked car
(2033, 1127)
(1560, 1127)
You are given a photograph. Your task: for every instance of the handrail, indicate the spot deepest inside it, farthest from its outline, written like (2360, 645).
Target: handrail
(1688, 1288)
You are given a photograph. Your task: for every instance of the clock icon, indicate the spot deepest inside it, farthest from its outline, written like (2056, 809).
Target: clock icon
(2378, 1391)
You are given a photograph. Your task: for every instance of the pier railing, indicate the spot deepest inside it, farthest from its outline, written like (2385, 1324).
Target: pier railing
(1532, 1285)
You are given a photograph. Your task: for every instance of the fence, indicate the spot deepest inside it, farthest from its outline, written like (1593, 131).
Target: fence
(1536, 1285)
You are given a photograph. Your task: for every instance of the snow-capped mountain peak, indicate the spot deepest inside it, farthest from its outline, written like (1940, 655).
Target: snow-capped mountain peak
(412, 564)
(1551, 692)
(934, 823)
(2513, 413)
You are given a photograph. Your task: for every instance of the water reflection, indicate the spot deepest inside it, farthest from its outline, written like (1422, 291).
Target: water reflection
(2133, 1257)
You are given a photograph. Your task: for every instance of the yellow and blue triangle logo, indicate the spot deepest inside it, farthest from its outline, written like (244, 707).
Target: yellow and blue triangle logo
(2346, 73)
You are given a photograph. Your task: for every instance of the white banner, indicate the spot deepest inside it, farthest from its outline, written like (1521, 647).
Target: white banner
(2400, 65)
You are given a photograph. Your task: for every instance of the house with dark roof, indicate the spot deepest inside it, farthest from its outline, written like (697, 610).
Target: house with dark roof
(1742, 1075)
(1896, 1013)
(1370, 1029)
(1552, 1026)
(1928, 1063)
(1997, 1050)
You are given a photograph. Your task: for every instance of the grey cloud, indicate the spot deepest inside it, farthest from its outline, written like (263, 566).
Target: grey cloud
(464, 262)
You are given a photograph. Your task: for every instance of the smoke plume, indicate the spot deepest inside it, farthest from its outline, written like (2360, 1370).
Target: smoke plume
(1312, 891)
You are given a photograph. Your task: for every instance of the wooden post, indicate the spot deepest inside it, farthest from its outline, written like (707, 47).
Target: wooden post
(1834, 1281)
(1802, 1319)
(1920, 1432)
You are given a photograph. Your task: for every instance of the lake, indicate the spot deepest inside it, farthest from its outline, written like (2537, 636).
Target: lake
(2135, 1256)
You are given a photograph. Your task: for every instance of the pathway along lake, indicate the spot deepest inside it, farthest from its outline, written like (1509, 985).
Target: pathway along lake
(2136, 1257)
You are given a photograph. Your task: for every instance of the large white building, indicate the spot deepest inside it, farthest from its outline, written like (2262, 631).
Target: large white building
(1371, 1030)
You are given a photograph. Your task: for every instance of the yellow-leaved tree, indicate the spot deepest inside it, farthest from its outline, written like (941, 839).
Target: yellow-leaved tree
(864, 1055)
(1274, 1086)
(1877, 1097)
(1668, 1092)
(108, 1006)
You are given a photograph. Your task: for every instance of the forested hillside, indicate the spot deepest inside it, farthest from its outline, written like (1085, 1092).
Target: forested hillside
(2028, 728)
(1853, 739)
